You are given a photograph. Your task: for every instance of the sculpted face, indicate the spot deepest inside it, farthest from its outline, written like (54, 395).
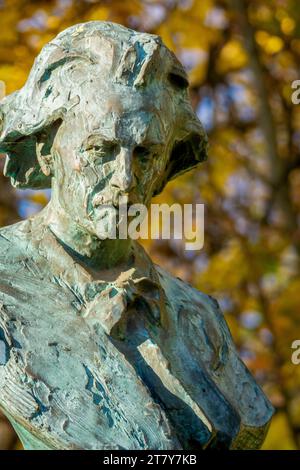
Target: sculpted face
(121, 150)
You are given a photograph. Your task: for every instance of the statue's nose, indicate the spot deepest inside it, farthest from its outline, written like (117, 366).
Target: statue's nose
(123, 177)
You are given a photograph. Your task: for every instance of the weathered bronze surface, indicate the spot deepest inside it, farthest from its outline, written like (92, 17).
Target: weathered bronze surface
(99, 347)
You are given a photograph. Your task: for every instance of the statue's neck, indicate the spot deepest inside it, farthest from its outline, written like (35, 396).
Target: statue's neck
(89, 250)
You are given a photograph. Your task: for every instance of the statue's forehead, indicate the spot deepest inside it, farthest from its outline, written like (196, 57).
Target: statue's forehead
(127, 127)
(123, 114)
(97, 88)
(131, 128)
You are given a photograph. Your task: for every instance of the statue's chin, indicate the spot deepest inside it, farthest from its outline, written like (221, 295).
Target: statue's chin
(105, 222)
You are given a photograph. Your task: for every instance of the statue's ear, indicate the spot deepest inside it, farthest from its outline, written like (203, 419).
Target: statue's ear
(44, 144)
(26, 155)
(185, 155)
(22, 166)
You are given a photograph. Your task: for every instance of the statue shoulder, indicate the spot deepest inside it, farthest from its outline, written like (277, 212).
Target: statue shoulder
(200, 324)
(182, 288)
(191, 302)
(11, 238)
(198, 319)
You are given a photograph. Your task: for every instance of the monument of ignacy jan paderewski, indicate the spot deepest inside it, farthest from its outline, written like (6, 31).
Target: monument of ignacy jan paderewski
(99, 347)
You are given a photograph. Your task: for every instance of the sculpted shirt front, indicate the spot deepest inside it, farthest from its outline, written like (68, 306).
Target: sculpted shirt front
(135, 360)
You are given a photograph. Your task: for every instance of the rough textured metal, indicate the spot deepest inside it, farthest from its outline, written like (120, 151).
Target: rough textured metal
(99, 347)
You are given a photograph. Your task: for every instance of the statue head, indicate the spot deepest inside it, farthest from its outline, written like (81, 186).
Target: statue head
(105, 112)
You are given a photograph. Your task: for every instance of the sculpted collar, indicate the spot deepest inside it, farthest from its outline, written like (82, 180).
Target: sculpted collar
(108, 299)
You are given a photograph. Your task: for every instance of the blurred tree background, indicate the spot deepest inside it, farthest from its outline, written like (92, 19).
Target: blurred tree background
(242, 57)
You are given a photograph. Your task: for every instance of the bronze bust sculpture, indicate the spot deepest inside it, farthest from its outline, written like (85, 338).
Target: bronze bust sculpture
(99, 347)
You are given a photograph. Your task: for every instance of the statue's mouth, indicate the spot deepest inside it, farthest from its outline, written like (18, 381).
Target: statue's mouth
(116, 200)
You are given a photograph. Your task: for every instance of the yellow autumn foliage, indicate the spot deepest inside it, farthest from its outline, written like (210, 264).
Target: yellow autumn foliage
(241, 58)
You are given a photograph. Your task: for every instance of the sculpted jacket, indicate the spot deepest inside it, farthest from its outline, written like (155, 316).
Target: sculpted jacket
(136, 360)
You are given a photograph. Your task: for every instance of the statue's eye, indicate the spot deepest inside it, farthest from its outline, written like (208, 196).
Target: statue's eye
(104, 149)
(142, 153)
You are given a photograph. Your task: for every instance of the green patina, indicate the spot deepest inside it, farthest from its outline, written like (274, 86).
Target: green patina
(99, 347)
